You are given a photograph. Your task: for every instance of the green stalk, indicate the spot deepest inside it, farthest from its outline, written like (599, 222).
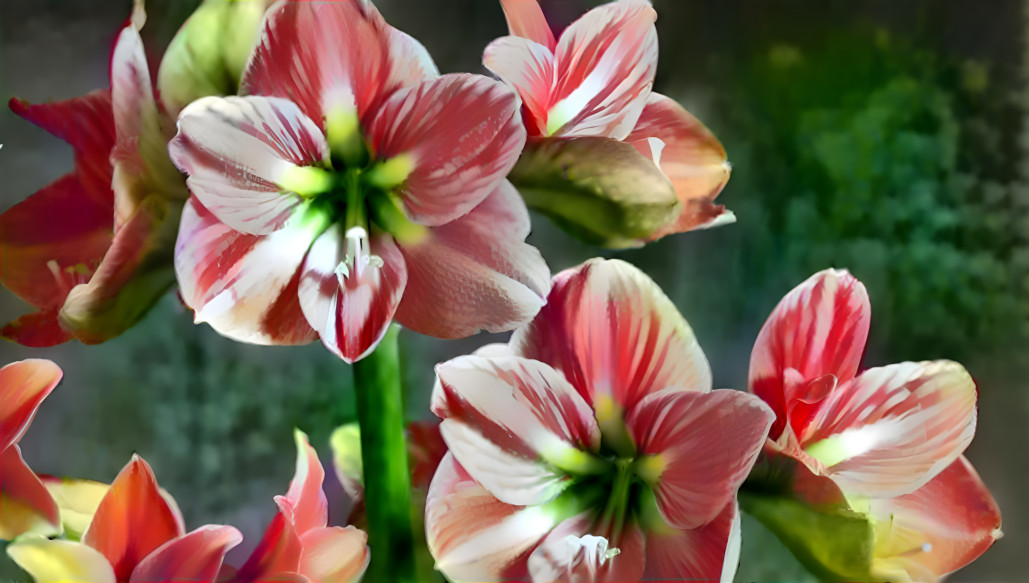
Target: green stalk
(387, 482)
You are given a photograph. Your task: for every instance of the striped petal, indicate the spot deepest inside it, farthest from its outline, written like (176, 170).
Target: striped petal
(27, 506)
(327, 56)
(529, 68)
(411, 62)
(475, 273)
(512, 423)
(704, 445)
(195, 557)
(525, 19)
(818, 329)
(238, 152)
(615, 336)
(892, 429)
(245, 286)
(23, 386)
(350, 289)
(606, 62)
(708, 553)
(60, 561)
(475, 537)
(460, 134)
(133, 519)
(334, 555)
(305, 503)
(935, 530)
(690, 156)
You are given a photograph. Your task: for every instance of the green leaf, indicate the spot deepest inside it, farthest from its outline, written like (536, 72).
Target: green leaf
(599, 190)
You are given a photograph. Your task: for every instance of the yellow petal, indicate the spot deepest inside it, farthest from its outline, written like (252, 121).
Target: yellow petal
(59, 561)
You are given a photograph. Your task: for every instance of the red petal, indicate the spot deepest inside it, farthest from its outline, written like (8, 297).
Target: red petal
(334, 555)
(525, 19)
(23, 386)
(893, 428)
(133, 519)
(606, 63)
(943, 526)
(472, 535)
(706, 444)
(351, 312)
(613, 332)
(708, 553)
(86, 123)
(818, 329)
(528, 67)
(324, 54)
(278, 552)
(195, 557)
(463, 135)
(425, 449)
(245, 286)
(509, 420)
(475, 273)
(38, 330)
(305, 503)
(26, 504)
(236, 151)
(52, 241)
(692, 158)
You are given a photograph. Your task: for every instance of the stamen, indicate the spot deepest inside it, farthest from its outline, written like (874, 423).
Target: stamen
(357, 258)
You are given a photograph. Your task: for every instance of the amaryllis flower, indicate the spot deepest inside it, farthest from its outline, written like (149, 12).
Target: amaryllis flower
(890, 438)
(298, 544)
(583, 93)
(597, 421)
(351, 186)
(135, 536)
(27, 506)
(92, 251)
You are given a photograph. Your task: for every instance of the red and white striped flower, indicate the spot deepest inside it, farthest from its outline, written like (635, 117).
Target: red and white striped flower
(596, 421)
(351, 185)
(891, 438)
(595, 81)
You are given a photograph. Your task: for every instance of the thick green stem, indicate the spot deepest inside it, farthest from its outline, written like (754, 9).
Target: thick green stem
(387, 482)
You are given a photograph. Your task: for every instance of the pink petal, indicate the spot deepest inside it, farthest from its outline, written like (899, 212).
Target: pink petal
(525, 19)
(133, 519)
(334, 555)
(573, 553)
(705, 443)
(893, 428)
(305, 503)
(140, 154)
(472, 535)
(818, 329)
(196, 556)
(606, 63)
(324, 55)
(237, 150)
(529, 68)
(53, 240)
(475, 273)
(26, 504)
(351, 312)
(708, 553)
(463, 135)
(941, 527)
(692, 158)
(509, 421)
(87, 124)
(613, 333)
(245, 286)
(411, 62)
(23, 386)
(278, 552)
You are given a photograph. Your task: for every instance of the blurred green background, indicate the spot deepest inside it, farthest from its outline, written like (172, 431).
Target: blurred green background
(886, 137)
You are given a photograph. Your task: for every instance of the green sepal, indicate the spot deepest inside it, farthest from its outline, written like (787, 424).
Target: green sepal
(599, 190)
